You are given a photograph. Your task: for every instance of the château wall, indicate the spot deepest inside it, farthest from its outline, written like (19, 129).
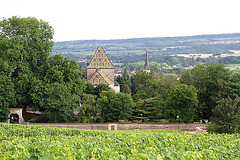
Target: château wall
(124, 126)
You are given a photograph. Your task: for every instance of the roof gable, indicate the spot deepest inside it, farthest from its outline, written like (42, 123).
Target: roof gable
(100, 60)
(99, 77)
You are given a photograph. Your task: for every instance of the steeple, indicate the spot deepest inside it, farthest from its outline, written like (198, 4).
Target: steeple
(146, 66)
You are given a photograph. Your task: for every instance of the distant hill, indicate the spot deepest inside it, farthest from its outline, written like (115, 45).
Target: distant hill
(216, 44)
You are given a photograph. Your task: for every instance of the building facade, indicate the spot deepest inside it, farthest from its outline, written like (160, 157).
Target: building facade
(101, 70)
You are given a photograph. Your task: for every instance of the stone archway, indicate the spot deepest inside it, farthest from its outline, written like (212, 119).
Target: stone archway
(14, 118)
(15, 115)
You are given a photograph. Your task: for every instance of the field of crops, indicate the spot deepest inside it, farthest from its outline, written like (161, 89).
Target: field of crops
(32, 142)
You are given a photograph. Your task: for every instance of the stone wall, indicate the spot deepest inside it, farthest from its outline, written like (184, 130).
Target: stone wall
(124, 126)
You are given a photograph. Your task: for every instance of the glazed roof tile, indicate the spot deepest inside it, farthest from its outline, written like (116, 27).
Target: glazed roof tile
(100, 60)
(99, 77)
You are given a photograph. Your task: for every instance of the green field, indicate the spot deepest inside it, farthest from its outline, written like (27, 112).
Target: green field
(31, 142)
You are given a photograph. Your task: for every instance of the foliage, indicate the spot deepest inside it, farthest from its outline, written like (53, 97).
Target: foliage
(29, 142)
(88, 111)
(150, 109)
(7, 97)
(100, 88)
(151, 93)
(25, 44)
(126, 90)
(136, 98)
(57, 103)
(58, 89)
(145, 84)
(235, 85)
(115, 106)
(165, 84)
(212, 82)
(226, 116)
(182, 101)
(149, 85)
(124, 80)
(26, 40)
(89, 88)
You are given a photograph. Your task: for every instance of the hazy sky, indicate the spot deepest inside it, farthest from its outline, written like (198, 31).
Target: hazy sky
(120, 19)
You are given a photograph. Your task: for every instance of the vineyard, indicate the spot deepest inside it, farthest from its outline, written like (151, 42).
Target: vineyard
(33, 142)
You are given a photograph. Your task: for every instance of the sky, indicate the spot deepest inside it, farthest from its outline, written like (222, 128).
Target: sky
(122, 19)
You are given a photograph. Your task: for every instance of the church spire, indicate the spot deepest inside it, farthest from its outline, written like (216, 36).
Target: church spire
(146, 66)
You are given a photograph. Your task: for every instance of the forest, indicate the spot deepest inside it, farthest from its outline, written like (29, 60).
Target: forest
(33, 76)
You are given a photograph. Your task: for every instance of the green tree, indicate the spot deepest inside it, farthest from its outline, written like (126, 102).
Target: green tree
(124, 80)
(145, 84)
(150, 109)
(100, 88)
(235, 85)
(182, 101)
(88, 108)
(66, 74)
(150, 85)
(7, 97)
(90, 89)
(165, 84)
(25, 44)
(226, 116)
(25, 40)
(136, 98)
(115, 106)
(126, 90)
(57, 103)
(212, 82)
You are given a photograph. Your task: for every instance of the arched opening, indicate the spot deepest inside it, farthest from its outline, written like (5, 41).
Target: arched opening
(14, 118)
(15, 115)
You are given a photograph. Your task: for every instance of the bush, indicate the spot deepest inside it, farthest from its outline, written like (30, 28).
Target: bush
(33, 120)
(224, 128)
(225, 118)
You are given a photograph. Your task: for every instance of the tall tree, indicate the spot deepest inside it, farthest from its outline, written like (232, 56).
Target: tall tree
(89, 88)
(145, 84)
(88, 110)
(66, 74)
(100, 88)
(126, 90)
(25, 40)
(57, 103)
(150, 85)
(150, 109)
(226, 116)
(124, 80)
(182, 101)
(212, 82)
(25, 44)
(115, 106)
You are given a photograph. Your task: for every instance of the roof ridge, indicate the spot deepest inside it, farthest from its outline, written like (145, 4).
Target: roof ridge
(105, 77)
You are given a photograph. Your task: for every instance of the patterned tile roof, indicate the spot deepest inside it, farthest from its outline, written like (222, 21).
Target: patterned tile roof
(100, 60)
(99, 77)
(105, 77)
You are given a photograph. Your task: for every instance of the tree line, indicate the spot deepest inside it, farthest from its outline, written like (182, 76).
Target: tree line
(56, 86)
(207, 91)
